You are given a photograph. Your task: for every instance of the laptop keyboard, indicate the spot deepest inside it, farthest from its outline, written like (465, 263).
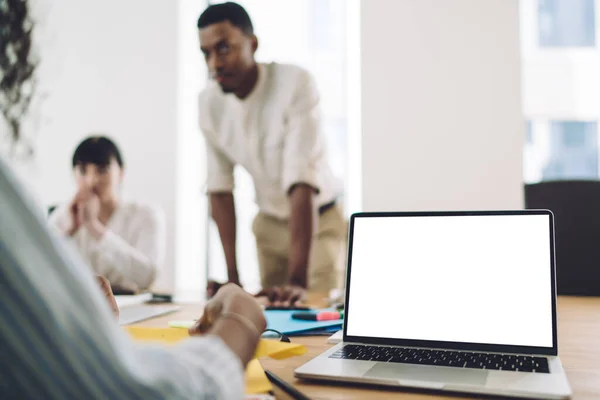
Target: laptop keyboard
(444, 358)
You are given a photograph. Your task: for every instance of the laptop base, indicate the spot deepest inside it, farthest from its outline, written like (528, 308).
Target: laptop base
(461, 380)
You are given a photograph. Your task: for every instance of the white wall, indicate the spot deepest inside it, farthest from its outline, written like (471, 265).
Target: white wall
(191, 210)
(110, 67)
(441, 105)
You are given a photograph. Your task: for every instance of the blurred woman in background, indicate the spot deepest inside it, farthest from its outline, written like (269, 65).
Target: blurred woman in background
(122, 241)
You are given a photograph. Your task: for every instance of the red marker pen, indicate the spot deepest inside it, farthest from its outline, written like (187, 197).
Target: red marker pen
(320, 316)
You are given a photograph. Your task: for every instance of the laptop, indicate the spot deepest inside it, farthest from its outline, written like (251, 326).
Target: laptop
(450, 301)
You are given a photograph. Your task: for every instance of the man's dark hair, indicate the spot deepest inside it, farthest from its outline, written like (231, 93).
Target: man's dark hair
(97, 150)
(229, 11)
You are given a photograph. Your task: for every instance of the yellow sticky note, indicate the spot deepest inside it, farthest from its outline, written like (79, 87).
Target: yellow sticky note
(256, 380)
(167, 335)
(278, 350)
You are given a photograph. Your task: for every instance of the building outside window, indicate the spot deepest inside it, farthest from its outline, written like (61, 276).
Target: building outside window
(559, 150)
(561, 89)
(567, 23)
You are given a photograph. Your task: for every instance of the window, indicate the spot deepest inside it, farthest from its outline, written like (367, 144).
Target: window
(567, 23)
(562, 150)
(319, 32)
(560, 96)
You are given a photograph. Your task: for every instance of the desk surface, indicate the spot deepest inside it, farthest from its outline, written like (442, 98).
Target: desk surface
(578, 344)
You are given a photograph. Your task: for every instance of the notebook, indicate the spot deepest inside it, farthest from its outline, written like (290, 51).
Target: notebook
(125, 300)
(282, 321)
(140, 312)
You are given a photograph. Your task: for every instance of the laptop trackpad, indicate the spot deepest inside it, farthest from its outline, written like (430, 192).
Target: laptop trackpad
(465, 376)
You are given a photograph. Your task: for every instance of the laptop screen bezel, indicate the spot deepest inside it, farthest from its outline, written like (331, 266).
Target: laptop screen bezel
(484, 347)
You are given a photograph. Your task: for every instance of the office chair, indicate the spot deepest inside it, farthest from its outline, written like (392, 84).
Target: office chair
(576, 208)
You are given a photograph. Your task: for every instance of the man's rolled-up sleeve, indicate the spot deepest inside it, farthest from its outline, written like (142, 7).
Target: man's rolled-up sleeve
(219, 173)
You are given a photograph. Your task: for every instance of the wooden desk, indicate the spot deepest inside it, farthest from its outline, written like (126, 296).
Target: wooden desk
(579, 350)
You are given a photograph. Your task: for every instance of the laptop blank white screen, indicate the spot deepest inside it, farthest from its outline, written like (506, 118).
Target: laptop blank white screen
(473, 279)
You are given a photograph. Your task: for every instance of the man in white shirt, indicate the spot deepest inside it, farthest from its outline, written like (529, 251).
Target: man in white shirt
(266, 118)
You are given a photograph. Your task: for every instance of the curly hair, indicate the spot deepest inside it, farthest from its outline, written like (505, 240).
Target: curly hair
(17, 65)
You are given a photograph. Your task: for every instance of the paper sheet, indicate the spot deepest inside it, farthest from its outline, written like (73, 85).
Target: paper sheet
(182, 324)
(256, 380)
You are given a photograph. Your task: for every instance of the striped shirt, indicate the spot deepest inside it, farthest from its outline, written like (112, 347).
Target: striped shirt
(59, 339)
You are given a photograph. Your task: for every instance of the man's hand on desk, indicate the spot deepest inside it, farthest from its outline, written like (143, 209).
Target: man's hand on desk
(279, 296)
(284, 296)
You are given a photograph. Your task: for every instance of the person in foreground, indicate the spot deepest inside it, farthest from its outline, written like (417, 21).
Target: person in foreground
(123, 241)
(59, 338)
(266, 118)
